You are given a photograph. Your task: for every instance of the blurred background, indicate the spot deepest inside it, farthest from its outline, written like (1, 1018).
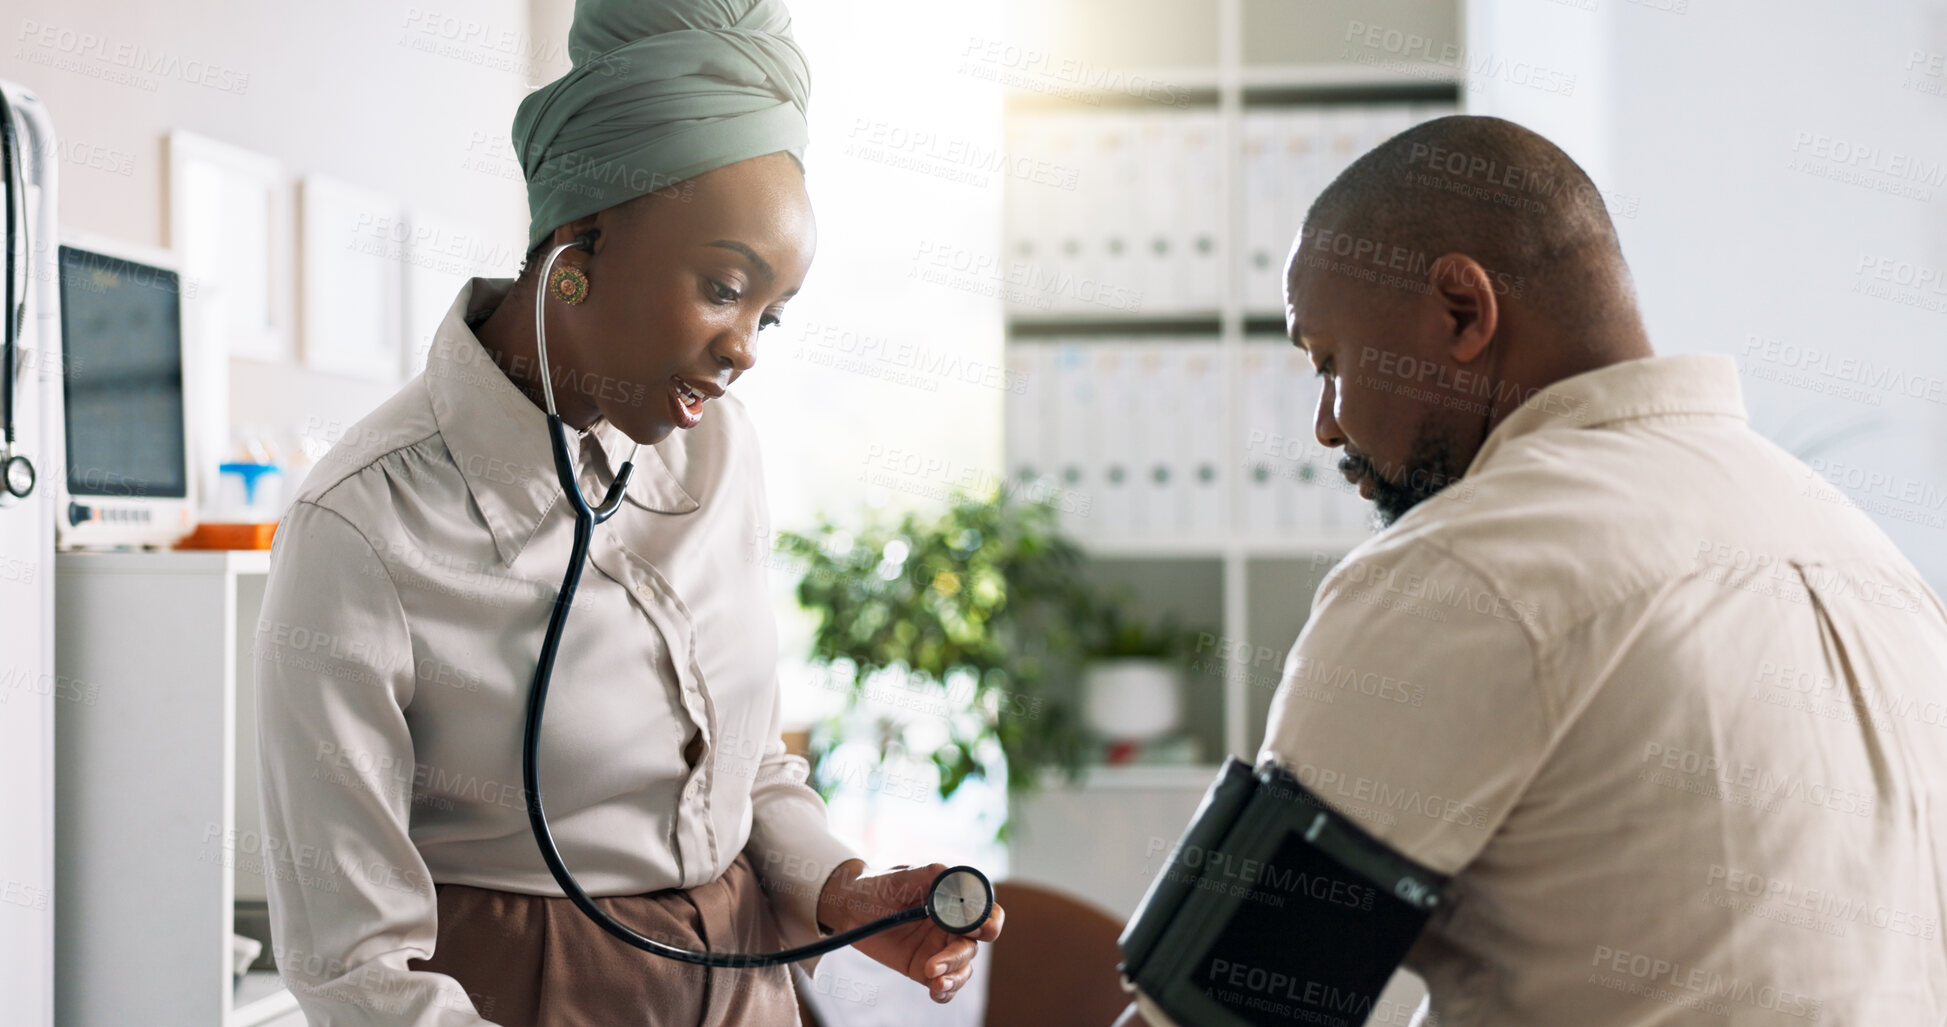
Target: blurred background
(1035, 397)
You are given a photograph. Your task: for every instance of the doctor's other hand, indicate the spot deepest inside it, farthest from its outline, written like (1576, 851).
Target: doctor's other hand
(919, 949)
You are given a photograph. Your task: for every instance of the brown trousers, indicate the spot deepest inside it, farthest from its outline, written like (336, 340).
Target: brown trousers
(536, 961)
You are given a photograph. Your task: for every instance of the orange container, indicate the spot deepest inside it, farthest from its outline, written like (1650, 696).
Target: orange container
(229, 536)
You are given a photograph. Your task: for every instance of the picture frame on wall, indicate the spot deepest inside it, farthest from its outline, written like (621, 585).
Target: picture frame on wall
(351, 271)
(229, 214)
(442, 253)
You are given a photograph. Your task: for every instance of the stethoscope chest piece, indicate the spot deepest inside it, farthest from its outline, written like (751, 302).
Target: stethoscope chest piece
(961, 900)
(17, 477)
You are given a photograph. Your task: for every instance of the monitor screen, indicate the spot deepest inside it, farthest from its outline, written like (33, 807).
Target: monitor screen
(121, 341)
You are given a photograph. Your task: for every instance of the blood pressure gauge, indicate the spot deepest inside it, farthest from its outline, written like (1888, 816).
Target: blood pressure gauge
(961, 900)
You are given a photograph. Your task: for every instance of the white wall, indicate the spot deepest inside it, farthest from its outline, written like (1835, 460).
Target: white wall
(1713, 125)
(413, 100)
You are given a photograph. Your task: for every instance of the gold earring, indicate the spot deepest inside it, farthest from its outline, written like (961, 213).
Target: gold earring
(568, 284)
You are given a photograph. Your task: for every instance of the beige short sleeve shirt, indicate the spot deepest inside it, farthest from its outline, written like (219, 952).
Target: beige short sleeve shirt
(1668, 706)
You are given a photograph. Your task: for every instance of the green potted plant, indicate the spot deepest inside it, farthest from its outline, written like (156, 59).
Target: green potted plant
(980, 610)
(1132, 680)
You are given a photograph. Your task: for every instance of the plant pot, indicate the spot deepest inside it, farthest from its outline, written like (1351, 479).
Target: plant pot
(1132, 699)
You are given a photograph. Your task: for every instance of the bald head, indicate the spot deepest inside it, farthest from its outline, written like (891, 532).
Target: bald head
(1485, 187)
(1466, 251)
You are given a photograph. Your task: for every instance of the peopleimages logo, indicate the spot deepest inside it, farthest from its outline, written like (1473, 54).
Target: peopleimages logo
(1380, 795)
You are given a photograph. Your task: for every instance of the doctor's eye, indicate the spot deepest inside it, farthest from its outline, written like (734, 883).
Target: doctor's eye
(768, 321)
(723, 293)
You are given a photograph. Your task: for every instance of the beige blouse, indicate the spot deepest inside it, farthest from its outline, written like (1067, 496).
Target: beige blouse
(409, 589)
(1668, 706)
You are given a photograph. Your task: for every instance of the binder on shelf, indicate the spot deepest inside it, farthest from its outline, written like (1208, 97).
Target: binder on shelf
(1343, 134)
(1049, 283)
(1204, 509)
(1028, 206)
(1198, 145)
(1074, 415)
(1024, 435)
(1115, 453)
(1157, 223)
(1386, 121)
(1156, 434)
(1265, 182)
(1301, 463)
(1303, 137)
(1111, 215)
(1253, 451)
(1140, 428)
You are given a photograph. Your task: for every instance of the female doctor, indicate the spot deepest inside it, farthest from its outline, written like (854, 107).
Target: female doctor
(413, 577)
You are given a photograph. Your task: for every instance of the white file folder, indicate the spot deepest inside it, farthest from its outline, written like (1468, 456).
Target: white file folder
(1066, 226)
(1203, 507)
(1301, 462)
(1265, 183)
(1155, 225)
(1028, 204)
(1024, 433)
(1075, 415)
(1115, 450)
(1110, 264)
(1198, 149)
(1253, 459)
(1341, 137)
(1384, 121)
(1151, 434)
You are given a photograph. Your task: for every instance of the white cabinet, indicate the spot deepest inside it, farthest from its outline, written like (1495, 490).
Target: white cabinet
(156, 805)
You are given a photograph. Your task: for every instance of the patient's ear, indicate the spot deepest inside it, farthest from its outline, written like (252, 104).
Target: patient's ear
(1471, 310)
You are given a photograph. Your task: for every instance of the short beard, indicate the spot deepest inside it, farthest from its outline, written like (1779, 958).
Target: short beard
(1429, 468)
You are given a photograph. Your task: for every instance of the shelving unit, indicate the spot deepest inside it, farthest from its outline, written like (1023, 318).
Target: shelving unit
(1250, 589)
(156, 800)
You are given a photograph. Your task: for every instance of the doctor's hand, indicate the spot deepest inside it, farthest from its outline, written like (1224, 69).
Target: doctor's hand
(919, 949)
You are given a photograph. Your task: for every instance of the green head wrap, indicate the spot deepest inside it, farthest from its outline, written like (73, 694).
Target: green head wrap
(660, 91)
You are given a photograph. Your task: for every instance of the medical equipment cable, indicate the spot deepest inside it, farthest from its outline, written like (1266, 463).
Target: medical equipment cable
(12, 464)
(951, 901)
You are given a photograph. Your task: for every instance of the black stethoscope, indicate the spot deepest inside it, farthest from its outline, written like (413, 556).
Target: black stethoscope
(961, 898)
(16, 471)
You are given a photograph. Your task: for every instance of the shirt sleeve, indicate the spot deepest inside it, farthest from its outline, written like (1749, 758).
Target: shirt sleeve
(350, 897)
(1410, 702)
(791, 847)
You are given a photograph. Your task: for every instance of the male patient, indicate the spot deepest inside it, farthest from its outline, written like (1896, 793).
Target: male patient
(1683, 742)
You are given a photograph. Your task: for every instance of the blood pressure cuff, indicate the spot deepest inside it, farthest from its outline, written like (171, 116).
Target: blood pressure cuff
(1274, 909)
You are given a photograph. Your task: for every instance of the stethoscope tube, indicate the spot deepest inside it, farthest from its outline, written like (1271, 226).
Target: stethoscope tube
(586, 517)
(17, 474)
